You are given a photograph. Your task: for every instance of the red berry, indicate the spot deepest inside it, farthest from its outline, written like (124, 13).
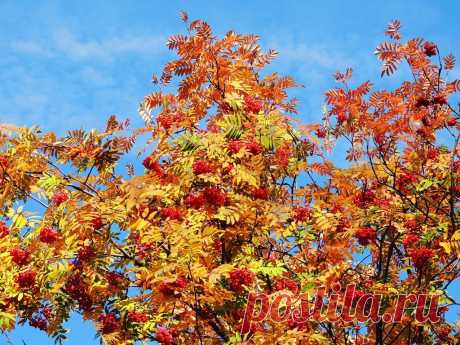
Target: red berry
(48, 235)
(239, 278)
(420, 256)
(287, 284)
(426, 121)
(26, 279)
(282, 156)
(217, 245)
(166, 288)
(260, 193)
(214, 196)
(341, 118)
(320, 133)
(440, 99)
(430, 49)
(412, 225)
(410, 240)
(60, 197)
(195, 200)
(301, 214)
(422, 102)
(19, 256)
(86, 253)
(342, 225)
(181, 282)
(254, 147)
(4, 162)
(364, 198)
(165, 121)
(47, 312)
(252, 105)
(138, 317)
(407, 178)
(164, 336)
(97, 223)
(225, 108)
(4, 230)
(452, 121)
(424, 132)
(39, 323)
(366, 236)
(115, 279)
(235, 146)
(171, 213)
(457, 189)
(110, 323)
(432, 153)
(77, 288)
(201, 167)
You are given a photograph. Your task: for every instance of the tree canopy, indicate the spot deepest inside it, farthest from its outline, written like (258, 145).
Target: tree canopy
(237, 194)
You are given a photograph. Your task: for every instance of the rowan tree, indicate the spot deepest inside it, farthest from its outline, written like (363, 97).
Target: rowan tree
(236, 194)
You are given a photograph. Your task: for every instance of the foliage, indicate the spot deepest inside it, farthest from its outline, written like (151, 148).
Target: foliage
(237, 195)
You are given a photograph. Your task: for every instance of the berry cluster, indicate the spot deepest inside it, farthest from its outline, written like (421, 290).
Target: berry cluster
(164, 336)
(115, 279)
(287, 284)
(165, 121)
(301, 214)
(4, 230)
(321, 133)
(239, 278)
(26, 279)
(413, 225)
(39, 322)
(366, 236)
(452, 121)
(252, 105)
(48, 235)
(171, 213)
(85, 254)
(282, 156)
(97, 223)
(364, 198)
(60, 197)
(410, 240)
(20, 256)
(430, 49)
(214, 196)
(260, 193)
(432, 153)
(195, 201)
(77, 288)
(202, 167)
(425, 102)
(4, 162)
(169, 288)
(420, 256)
(252, 146)
(110, 323)
(137, 317)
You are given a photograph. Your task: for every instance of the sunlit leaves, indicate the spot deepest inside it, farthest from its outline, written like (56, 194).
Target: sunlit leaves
(235, 195)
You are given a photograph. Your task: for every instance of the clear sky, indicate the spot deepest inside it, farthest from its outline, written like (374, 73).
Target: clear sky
(70, 64)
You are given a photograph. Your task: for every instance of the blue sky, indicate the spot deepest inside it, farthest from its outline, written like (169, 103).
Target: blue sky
(71, 64)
